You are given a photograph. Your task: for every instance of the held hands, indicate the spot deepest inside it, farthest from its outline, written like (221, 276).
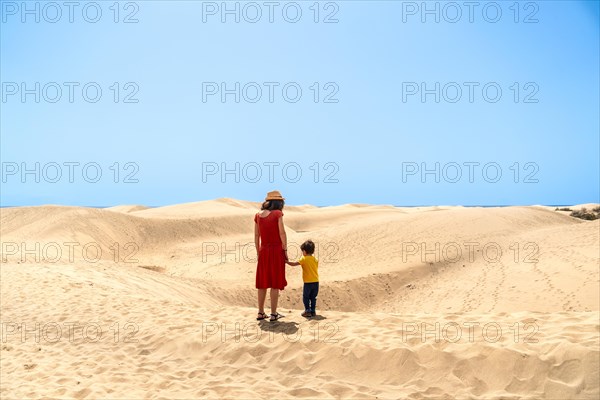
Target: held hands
(287, 261)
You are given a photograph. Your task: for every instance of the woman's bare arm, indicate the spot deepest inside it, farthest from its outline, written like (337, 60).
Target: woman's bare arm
(256, 237)
(283, 235)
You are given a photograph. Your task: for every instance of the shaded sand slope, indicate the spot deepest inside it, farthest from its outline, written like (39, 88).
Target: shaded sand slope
(514, 293)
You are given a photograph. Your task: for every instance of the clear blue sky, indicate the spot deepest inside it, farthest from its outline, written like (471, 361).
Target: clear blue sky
(370, 145)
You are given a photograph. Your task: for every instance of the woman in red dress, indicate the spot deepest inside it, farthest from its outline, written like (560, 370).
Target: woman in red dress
(271, 246)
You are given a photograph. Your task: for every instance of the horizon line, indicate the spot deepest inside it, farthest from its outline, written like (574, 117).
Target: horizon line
(320, 206)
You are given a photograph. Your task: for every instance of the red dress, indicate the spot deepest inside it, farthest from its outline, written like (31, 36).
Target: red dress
(270, 270)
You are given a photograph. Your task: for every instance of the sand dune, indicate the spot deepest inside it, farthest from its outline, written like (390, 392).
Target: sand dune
(427, 302)
(127, 208)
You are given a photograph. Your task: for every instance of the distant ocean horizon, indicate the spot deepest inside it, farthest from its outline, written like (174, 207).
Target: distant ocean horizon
(333, 205)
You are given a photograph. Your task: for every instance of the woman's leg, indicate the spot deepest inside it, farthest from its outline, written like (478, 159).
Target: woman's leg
(274, 300)
(262, 295)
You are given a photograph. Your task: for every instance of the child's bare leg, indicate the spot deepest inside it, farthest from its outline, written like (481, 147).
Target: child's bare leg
(274, 300)
(262, 295)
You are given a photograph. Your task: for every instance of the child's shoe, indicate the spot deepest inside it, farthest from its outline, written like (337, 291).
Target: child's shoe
(306, 314)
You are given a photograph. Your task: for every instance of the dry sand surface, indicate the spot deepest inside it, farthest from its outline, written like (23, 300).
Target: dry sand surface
(429, 302)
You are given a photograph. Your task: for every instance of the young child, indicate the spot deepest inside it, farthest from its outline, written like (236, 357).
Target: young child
(310, 276)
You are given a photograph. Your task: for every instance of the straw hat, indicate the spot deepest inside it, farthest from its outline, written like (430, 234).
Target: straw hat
(274, 195)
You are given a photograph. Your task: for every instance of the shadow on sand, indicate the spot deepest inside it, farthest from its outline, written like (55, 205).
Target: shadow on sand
(279, 326)
(287, 327)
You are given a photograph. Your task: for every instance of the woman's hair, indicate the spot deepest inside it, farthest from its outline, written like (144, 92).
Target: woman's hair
(272, 205)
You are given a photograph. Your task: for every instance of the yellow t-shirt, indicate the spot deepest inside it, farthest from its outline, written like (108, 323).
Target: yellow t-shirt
(310, 269)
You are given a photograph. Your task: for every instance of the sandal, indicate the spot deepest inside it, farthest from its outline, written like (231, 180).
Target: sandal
(261, 316)
(275, 317)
